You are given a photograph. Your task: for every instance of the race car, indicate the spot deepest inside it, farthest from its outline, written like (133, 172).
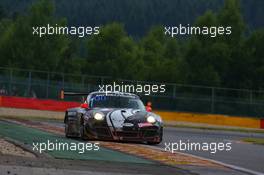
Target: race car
(113, 116)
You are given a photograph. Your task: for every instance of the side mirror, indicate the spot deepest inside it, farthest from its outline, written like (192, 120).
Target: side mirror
(84, 105)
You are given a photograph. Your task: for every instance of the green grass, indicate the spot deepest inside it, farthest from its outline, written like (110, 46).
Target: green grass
(258, 141)
(30, 136)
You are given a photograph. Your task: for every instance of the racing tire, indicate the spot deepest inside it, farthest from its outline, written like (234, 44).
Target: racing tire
(66, 128)
(82, 131)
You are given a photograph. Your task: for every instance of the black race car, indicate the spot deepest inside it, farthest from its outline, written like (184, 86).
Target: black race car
(113, 116)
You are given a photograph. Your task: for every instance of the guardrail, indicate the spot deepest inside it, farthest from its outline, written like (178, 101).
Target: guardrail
(38, 104)
(61, 106)
(179, 97)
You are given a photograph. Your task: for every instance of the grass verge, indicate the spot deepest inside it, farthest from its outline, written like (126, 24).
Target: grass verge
(258, 141)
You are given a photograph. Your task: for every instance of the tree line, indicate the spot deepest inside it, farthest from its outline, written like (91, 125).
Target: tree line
(235, 61)
(137, 16)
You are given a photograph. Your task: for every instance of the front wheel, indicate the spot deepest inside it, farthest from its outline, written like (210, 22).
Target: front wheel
(82, 131)
(66, 129)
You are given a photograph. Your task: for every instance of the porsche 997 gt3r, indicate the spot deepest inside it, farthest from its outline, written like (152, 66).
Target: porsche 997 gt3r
(113, 116)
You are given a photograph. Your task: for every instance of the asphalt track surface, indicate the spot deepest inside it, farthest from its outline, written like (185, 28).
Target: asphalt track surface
(245, 155)
(103, 162)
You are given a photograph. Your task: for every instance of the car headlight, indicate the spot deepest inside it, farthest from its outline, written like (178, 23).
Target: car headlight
(151, 119)
(98, 116)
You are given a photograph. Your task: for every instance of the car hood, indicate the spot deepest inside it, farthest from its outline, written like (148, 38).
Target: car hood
(119, 116)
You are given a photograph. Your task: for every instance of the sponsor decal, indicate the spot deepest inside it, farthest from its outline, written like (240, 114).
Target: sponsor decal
(144, 125)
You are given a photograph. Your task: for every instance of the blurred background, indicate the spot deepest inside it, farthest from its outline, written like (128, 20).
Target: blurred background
(222, 75)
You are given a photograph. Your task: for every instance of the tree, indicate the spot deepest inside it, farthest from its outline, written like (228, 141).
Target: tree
(20, 48)
(112, 52)
(161, 55)
(2, 13)
(198, 67)
(221, 59)
(230, 15)
(202, 55)
(253, 64)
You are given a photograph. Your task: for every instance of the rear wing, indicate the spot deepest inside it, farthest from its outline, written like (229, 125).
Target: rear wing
(65, 93)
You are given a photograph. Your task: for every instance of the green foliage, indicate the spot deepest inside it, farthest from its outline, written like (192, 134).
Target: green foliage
(111, 52)
(2, 12)
(161, 56)
(234, 60)
(219, 61)
(139, 15)
(253, 61)
(230, 15)
(20, 48)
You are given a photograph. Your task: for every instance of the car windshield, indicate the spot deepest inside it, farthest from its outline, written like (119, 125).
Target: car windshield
(104, 101)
